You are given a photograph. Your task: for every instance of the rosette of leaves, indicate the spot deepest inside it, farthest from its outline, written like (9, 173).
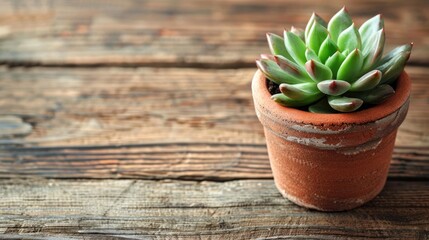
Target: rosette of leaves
(333, 67)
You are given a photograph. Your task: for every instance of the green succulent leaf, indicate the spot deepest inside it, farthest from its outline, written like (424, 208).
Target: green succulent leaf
(322, 106)
(370, 28)
(392, 69)
(338, 23)
(295, 46)
(344, 104)
(277, 45)
(286, 101)
(311, 55)
(274, 73)
(333, 67)
(327, 49)
(393, 63)
(376, 95)
(350, 68)
(317, 71)
(289, 102)
(334, 62)
(367, 81)
(291, 68)
(316, 36)
(299, 91)
(299, 32)
(373, 50)
(346, 52)
(395, 52)
(333, 87)
(314, 18)
(349, 39)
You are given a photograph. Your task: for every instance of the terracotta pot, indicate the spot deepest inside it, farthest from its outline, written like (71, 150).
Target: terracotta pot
(330, 162)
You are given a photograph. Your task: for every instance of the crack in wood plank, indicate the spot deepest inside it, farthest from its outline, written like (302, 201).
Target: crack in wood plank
(121, 195)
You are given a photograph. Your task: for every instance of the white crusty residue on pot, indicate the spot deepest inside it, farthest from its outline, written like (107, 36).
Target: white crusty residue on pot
(315, 129)
(315, 142)
(361, 148)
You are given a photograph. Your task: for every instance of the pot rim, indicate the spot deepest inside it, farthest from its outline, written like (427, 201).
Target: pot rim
(261, 94)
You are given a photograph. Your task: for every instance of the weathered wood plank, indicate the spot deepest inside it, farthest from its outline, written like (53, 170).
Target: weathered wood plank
(157, 123)
(170, 33)
(103, 106)
(13, 126)
(193, 161)
(126, 106)
(246, 209)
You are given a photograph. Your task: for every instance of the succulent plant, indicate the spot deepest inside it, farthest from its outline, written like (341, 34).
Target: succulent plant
(333, 67)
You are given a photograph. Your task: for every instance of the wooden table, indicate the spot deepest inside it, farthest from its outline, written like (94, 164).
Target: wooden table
(134, 119)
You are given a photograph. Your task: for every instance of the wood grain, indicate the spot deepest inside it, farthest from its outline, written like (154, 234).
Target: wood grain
(209, 34)
(13, 126)
(246, 209)
(157, 123)
(98, 95)
(192, 161)
(117, 106)
(105, 106)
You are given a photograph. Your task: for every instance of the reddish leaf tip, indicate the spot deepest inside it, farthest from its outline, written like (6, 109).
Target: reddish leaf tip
(285, 65)
(276, 59)
(377, 73)
(333, 86)
(310, 66)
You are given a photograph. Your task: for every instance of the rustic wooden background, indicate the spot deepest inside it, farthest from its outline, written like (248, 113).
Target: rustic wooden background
(134, 119)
